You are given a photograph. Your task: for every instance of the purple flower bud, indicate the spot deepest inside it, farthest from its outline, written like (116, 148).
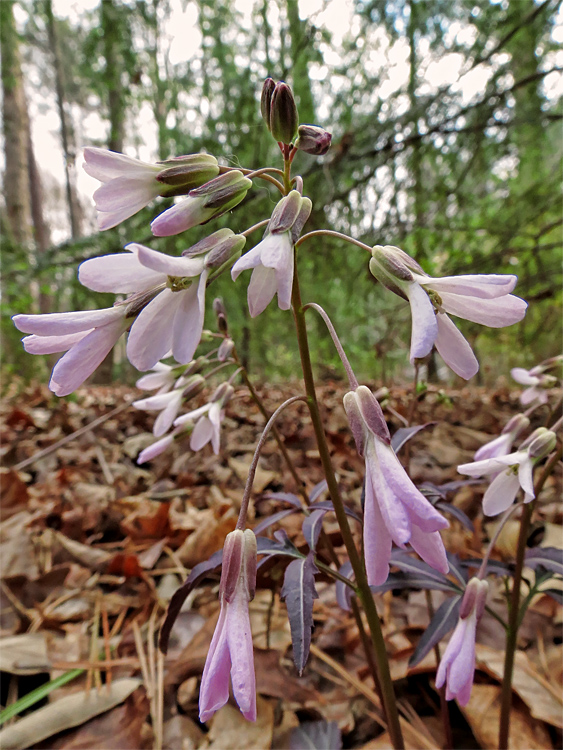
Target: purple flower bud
(283, 113)
(517, 424)
(285, 213)
(227, 346)
(355, 420)
(186, 173)
(266, 100)
(231, 649)
(372, 413)
(542, 445)
(313, 140)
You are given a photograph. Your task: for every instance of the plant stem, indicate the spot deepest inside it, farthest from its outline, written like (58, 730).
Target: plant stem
(332, 233)
(364, 592)
(514, 613)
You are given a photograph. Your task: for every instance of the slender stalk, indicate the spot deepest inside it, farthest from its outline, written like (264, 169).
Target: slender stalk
(514, 612)
(332, 233)
(364, 592)
(241, 522)
(336, 341)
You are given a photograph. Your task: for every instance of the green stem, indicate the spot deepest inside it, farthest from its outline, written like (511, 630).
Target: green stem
(364, 592)
(514, 612)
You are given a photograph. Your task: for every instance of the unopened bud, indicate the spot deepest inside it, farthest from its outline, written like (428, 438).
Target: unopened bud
(224, 191)
(193, 385)
(285, 213)
(474, 598)
(542, 445)
(355, 420)
(524, 445)
(313, 140)
(223, 393)
(184, 173)
(389, 261)
(223, 250)
(283, 113)
(239, 565)
(225, 350)
(517, 425)
(266, 100)
(300, 221)
(219, 306)
(372, 414)
(195, 366)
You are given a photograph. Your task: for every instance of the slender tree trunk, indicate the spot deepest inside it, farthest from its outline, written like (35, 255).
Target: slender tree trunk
(300, 47)
(416, 155)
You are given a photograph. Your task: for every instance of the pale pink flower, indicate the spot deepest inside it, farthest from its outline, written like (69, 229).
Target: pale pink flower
(208, 419)
(158, 447)
(480, 298)
(86, 336)
(513, 472)
(538, 382)
(457, 666)
(170, 402)
(231, 650)
(272, 258)
(395, 510)
(161, 379)
(502, 444)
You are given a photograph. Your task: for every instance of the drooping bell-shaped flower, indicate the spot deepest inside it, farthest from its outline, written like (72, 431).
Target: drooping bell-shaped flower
(231, 651)
(129, 184)
(395, 510)
(481, 298)
(501, 445)
(457, 666)
(272, 259)
(513, 471)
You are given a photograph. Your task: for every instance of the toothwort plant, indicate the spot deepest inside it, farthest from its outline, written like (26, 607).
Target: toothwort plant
(161, 307)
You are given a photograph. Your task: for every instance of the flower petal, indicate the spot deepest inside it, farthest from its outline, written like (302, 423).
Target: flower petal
(377, 540)
(500, 446)
(251, 259)
(393, 512)
(500, 493)
(424, 326)
(454, 349)
(60, 324)
(484, 286)
(168, 265)
(462, 668)
(105, 165)
(126, 192)
(214, 690)
(523, 376)
(155, 449)
(263, 285)
(525, 477)
(188, 321)
(184, 215)
(151, 333)
(239, 636)
(202, 433)
(118, 273)
(167, 416)
(52, 344)
(430, 547)
(495, 313)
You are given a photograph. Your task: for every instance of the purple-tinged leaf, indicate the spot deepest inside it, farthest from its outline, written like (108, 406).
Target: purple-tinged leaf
(312, 526)
(271, 520)
(318, 490)
(327, 505)
(316, 735)
(456, 568)
(457, 513)
(432, 493)
(404, 434)
(418, 568)
(497, 567)
(344, 592)
(550, 558)
(199, 573)
(281, 546)
(284, 497)
(444, 620)
(556, 594)
(412, 581)
(299, 592)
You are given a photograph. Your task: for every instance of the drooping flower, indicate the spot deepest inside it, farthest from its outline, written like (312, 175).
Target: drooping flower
(513, 471)
(129, 184)
(395, 510)
(313, 140)
(272, 259)
(231, 651)
(208, 419)
(480, 298)
(159, 446)
(169, 403)
(538, 381)
(86, 337)
(457, 666)
(501, 445)
(207, 202)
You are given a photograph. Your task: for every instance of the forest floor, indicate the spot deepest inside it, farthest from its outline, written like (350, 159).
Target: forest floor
(93, 546)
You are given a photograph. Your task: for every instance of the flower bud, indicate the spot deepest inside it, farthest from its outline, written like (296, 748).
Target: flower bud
(285, 213)
(386, 260)
(266, 100)
(224, 352)
(223, 394)
(524, 445)
(219, 306)
(474, 598)
(193, 385)
(517, 425)
(223, 250)
(283, 113)
(313, 140)
(195, 366)
(184, 173)
(542, 445)
(223, 190)
(239, 564)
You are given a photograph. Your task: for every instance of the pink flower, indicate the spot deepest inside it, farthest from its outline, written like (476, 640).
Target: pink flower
(538, 382)
(161, 378)
(513, 471)
(231, 649)
(501, 445)
(457, 666)
(129, 184)
(169, 403)
(272, 259)
(86, 337)
(207, 428)
(483, 299)
(158, 447)
(395, 510)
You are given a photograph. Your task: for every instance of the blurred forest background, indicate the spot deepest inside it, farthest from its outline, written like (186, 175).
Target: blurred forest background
(446, 122)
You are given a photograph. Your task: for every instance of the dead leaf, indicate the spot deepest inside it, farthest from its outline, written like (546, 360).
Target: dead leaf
(71, 711)
(24, 654)
(231, 731)
(262, 477)
(483, 714)
(181, 732)
(208, 537)
(14, 493)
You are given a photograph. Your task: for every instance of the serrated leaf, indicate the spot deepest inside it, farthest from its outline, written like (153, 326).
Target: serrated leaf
(271, 520)
(550, 558)
(404, 434)
(312, 526)
(443, 621)
(299, 592)
(316, 735)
